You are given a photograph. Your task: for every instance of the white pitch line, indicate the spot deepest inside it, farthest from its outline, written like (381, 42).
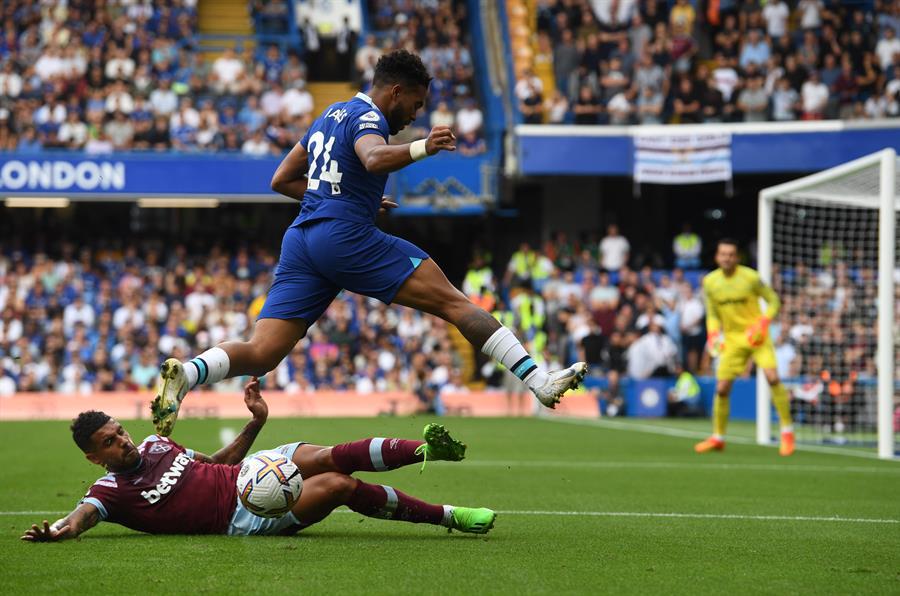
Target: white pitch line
(669, 515)
(691, 434)
(625, 465)
(801, 518)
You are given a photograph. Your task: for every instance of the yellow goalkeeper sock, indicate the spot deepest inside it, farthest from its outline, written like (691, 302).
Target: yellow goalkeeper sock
(782, 402)
(721, 408)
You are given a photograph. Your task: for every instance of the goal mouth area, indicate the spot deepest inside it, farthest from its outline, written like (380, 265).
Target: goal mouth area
(829, 244)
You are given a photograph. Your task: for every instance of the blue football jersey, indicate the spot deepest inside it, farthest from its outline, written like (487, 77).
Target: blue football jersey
(339, 187)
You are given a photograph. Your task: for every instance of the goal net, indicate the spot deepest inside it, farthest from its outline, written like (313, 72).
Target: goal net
(828, 244)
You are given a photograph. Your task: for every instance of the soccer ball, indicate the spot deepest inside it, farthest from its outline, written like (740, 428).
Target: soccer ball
(269, 484)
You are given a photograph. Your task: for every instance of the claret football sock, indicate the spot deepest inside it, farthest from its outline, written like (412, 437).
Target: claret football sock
(375, 455)
(385, 502)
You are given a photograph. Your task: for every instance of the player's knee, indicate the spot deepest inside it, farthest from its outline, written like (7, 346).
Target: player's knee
(455, 307)
(340, 486)
(264, 358)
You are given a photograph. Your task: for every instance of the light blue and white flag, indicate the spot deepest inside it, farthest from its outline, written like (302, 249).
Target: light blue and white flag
(682, 158)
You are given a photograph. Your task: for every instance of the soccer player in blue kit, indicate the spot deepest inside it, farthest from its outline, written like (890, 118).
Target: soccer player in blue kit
(338, 171)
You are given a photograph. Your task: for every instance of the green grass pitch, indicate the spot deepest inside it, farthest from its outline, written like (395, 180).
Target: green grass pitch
(582, 511)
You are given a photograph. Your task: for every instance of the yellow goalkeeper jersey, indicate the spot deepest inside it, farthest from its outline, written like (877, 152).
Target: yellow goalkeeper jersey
(732, 302)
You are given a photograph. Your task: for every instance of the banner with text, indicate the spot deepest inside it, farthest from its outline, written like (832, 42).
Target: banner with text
(682, 158)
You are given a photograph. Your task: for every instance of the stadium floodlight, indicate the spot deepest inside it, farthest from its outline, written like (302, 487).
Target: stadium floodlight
(177, 203)
(36, 202)
(828, 243)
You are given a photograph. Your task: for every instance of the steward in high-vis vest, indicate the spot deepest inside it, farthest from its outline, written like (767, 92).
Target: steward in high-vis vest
(687, 247)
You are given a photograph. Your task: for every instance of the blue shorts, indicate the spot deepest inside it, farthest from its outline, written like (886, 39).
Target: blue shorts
(244, 523)
(322, 257)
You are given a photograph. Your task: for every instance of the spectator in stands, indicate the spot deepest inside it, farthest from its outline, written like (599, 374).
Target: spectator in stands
(566, 57)
(814, 97)
(469, 118)
(691, 321)
(442, 116)
(257, 145)
(163, 100)
(755, 50)
(888, 49)
(587, 108)
(686, 103)
(556, 107)
(470, 144)
(271, 16)
(650, 106)
(654, 354)
(785, 102)
(297, 103)
(753, 101)
(614, 249)
(620, 108)
(120, 131)
(227, 73)
(73, 132)
(367, 56)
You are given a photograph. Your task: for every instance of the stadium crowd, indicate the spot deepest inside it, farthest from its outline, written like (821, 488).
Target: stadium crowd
(101, 319)
(437, 32)
(684, 61)
(112, 76)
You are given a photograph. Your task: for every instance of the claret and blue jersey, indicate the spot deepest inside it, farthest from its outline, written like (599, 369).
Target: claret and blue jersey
(339, 186)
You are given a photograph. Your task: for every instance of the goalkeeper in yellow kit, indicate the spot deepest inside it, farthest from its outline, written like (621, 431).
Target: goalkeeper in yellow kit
(737, 331)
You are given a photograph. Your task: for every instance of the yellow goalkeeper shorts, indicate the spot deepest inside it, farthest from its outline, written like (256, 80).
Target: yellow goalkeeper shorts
(733, 361)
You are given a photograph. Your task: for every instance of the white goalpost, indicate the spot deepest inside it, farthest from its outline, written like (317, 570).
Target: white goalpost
(828, 244)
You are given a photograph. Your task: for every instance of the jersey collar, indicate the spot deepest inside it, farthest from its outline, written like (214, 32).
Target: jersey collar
(366, 99)
(369, 101)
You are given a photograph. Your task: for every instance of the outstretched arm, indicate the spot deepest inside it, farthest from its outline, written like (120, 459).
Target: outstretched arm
(237, 449)
(380, 158)
(773, 303)
(290, 177)
(82, 519)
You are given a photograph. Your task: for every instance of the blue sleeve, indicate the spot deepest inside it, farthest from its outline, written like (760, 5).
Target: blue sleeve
(367, 123)
(305, 140)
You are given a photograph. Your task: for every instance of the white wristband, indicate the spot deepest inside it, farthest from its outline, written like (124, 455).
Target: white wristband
(417, 150)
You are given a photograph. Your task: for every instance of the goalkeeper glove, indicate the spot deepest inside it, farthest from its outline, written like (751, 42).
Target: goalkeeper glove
(758, 332)
(715, 343)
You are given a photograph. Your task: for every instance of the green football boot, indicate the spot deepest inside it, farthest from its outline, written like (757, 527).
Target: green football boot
(472, 520)
(439, 445)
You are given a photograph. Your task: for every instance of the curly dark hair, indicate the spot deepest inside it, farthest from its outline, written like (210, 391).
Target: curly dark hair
(85, 425)
(729, 241)
(400, 68)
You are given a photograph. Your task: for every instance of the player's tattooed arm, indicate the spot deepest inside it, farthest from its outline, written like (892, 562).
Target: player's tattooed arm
(380, 158)
(290, 177)
(237, 449)
(82, 519)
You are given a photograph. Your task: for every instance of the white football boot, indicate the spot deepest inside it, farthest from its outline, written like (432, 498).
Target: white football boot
(558, 382)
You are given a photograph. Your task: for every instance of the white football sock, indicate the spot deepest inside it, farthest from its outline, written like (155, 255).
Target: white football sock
(209, 367)
(503, 347)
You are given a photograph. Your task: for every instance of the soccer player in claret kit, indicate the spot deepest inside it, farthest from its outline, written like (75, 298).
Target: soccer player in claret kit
(737, 331)
(339, 170)
(160, 487)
